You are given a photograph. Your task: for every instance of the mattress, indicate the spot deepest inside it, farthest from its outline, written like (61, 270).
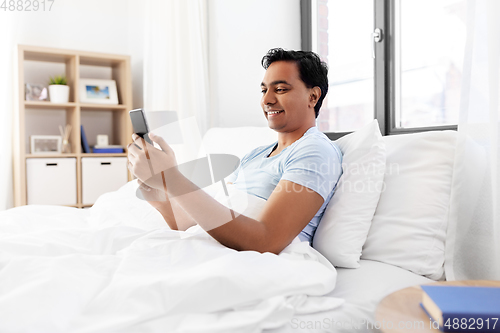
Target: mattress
(362, 289)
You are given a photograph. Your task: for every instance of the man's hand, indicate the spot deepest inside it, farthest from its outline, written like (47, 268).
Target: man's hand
(152, 195)
(173, 214)
(150, 164)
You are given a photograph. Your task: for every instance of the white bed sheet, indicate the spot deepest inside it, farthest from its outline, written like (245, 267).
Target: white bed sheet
(362, 289)
(117, 267)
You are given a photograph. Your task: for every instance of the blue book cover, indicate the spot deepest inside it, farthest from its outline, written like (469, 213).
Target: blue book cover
(461, 308)
(85, 144)
(108, 150)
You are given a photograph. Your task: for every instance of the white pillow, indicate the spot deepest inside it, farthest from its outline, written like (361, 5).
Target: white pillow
(409, 226)
(345, 224)
(236, 141)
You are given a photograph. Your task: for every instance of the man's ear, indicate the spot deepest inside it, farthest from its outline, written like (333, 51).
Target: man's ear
(314, 96)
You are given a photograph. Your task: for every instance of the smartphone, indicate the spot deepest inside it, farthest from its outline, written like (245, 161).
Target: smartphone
(140, 124)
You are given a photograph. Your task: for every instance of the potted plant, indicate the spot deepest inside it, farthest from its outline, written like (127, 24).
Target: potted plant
(58, 90)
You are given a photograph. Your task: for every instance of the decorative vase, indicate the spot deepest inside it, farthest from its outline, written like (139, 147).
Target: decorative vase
(59, 93)
(65, 147)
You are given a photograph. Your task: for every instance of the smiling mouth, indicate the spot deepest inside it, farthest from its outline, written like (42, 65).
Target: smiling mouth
(273, 112)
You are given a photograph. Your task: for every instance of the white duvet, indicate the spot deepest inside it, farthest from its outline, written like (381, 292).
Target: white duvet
(117, 267)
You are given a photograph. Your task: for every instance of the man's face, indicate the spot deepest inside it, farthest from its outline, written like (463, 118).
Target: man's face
(285, 98)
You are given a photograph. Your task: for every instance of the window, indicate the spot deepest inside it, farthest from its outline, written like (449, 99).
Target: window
(409, 79)
(429, 59)
(351, 68)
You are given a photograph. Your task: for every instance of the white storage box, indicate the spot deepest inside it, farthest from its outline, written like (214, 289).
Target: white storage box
(101, 175)
(51, 181)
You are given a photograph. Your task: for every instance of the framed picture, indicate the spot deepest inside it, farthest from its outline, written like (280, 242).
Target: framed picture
(35, 92)
(98, 91)
(45, 144)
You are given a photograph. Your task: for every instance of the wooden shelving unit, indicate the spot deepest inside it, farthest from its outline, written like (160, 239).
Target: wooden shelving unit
(119, 66)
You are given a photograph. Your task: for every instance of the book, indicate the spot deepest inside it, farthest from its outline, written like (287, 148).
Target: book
(85, 144)
(462, 308)
(110, 149)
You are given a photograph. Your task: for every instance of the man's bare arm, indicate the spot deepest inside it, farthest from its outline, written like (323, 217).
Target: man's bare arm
(173, 214)
(287, 211)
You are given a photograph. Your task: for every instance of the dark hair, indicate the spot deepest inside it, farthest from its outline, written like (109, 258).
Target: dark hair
(313, 72)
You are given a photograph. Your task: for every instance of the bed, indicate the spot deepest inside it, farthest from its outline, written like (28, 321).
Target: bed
(117, 267)
(361, 289)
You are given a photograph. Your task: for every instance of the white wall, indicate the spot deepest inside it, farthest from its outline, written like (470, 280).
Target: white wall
(240, 34)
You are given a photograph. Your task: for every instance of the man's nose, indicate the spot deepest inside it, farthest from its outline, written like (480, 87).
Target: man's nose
(268, 98)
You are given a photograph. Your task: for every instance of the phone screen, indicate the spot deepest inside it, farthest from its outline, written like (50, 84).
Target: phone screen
(139, 124)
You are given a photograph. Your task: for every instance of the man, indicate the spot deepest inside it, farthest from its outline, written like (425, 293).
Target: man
(296, 175)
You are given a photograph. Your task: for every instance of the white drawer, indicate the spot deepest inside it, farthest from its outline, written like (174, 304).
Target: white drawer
(101, 175)
(51, 181)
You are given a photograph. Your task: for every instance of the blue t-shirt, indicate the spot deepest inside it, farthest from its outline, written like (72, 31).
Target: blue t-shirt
(313, 161)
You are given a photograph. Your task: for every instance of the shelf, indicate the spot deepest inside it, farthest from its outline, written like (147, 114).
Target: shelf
(36, 64)
(104, 155)
(106, 107)
(53, 56)
(76, 155)
(50, 155)
(102, 60)
(48, 105)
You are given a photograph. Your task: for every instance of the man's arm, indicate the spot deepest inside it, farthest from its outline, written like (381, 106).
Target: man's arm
(287, 211)
(173, 214)
(285, 214)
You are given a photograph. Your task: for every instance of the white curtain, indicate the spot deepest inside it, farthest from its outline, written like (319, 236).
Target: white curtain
(8, 98)
(176, 59)
(473, 243)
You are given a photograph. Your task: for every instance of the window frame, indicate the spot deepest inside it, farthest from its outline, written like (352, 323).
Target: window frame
(384, 67)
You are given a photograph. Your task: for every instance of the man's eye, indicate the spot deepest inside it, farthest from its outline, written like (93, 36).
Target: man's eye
(281, 89)
(263, 91)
